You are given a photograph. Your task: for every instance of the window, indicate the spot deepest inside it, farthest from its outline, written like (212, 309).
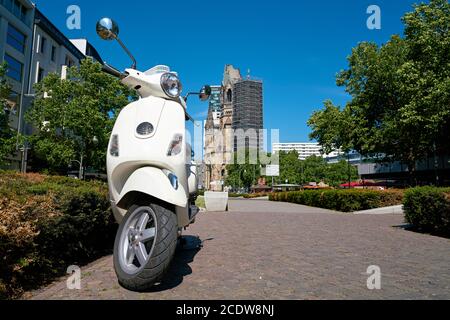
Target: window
(42, 45)
(15, 68)
(17, 9)
(53, 53)
(23, 13)
(12, 103)
(230, 95)
(69, 62)
(17, 6)
(16, 39)
(8, 4)
(40, 75)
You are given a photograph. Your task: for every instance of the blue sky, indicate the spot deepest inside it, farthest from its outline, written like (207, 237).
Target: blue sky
(295, 47)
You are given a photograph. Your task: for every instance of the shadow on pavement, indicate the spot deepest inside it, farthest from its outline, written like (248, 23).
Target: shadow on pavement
(186, 251)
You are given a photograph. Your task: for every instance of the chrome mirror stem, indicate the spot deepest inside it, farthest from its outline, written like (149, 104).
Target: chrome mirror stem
(134, 66)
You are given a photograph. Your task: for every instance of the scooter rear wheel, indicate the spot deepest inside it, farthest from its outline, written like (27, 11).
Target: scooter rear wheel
(145, 245)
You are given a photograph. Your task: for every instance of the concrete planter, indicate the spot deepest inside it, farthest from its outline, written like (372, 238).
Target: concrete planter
(216, 201)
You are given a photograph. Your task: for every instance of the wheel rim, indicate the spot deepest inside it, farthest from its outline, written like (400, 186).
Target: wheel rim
(137, 240)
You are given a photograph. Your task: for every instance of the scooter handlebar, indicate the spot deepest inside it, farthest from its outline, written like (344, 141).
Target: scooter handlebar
(113, 71)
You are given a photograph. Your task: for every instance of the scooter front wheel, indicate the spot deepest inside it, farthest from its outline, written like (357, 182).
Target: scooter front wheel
(145, 245)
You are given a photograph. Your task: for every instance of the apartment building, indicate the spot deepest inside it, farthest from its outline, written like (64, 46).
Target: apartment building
(52, 51)
(304, 149)
(33, 47)
(16, 36)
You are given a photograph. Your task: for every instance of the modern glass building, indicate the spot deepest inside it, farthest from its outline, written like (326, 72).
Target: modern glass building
(16, 34)
(304, 150)
(215, 102)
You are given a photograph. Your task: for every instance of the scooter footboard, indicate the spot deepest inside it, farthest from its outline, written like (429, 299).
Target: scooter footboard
(155, 183)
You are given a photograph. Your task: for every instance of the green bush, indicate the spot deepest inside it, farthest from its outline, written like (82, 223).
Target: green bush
(342, 200)
(256, 195)
(428, 209)
(235, 195)
(48, 224)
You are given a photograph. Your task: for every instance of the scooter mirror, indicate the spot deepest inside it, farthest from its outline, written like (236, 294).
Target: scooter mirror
(205, 93)
(107, 29)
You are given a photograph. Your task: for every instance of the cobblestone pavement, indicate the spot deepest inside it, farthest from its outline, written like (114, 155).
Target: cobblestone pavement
(264, 250)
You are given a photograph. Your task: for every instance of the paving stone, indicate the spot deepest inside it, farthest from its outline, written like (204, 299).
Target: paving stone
(266, 250)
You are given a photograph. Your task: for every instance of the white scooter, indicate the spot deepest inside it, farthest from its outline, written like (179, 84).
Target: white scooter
(152, 182)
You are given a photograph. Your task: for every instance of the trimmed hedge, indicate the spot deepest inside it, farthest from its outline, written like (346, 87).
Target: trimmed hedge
(47, 224)
(428, 209)
(342, 200)
(256, 195)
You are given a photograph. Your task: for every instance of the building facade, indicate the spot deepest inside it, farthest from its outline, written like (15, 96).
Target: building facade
(52, 51)
(16, 36)
(212, 139)
(235, 120)
(248, 120)
(304, 149)
(33, 47)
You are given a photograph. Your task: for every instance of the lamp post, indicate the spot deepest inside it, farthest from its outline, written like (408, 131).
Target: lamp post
(24, 150)
(436, 164)
(303, 173)
(80, 163)
(349, 171)
(241, 178)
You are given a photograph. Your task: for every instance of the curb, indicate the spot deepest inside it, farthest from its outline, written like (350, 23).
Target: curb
(386, 210)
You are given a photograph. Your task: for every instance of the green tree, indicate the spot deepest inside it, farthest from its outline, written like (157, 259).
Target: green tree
(290, 168)
(331, 128)
(74, 117)
(7, 135)
(314, 169)
(425, 77)
(243, 175)
(400, 106)
(338, 173)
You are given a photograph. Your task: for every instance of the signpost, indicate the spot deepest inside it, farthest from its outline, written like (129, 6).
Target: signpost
(272, 171)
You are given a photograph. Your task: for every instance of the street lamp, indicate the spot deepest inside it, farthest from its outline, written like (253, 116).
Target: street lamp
(80, 163)
(24, 151)
(241, 178)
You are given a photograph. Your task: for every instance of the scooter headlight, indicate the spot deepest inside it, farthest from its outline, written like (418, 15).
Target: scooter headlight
(171, 85)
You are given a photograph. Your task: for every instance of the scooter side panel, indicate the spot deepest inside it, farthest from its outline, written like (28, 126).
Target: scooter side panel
(154, 182)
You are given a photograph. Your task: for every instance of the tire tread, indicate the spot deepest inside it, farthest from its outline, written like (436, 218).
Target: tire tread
(163, 253)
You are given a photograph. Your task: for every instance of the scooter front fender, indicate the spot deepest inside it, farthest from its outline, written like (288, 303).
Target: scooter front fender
(155, 183)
